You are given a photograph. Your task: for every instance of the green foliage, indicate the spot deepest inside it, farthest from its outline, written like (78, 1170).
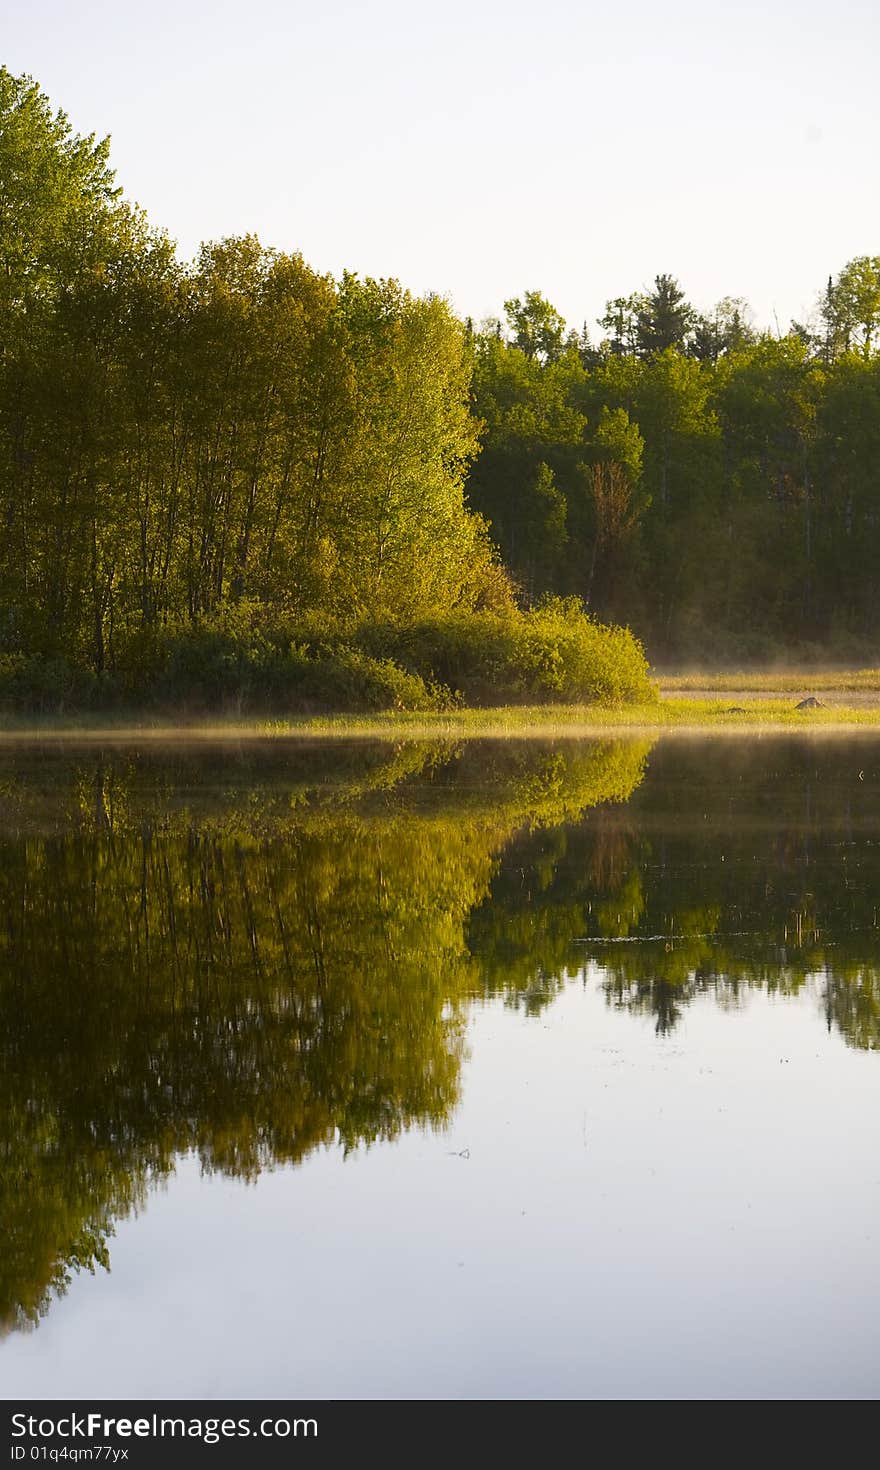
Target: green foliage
(348, 679)
(744, 523)
(246, 438)
(621, 439)
(46, 685)
(537, 328)
(851, 306)
(554, 652)
(213, 667)
(565, 654)
(665, 319)
(177, 442)
(621, 321)
(725, 329)
(57, 190)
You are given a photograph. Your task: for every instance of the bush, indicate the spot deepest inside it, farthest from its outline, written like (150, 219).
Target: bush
(556, 652)
(567, 655)
(341, 679)
(467, 653)
(209, 667)
(45, 685)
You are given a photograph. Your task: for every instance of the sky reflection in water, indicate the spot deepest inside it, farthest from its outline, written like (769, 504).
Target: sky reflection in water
(572, 1049)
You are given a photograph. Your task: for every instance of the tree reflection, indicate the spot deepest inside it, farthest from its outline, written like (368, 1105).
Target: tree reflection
(243, 957)
(728, 869)
(249, 953)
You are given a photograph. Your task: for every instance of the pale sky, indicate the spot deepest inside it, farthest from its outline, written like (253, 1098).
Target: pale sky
(480, 148)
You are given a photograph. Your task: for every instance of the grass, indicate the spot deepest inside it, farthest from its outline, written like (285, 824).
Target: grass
(782, 682)
(555, 721)
(570, 721)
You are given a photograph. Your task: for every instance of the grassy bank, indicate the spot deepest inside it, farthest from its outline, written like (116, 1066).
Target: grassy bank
(567, 721)
(781, 682)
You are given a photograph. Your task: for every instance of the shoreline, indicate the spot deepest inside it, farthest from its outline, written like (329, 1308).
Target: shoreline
(688, 715)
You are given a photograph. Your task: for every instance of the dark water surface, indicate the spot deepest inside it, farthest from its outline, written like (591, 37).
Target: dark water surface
(472, 1070)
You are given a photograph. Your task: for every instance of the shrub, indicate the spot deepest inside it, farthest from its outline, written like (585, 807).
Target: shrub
(207, 666)
(566, 654)
(340, 679)
(212, 667)
(45, 685)
(555, 652)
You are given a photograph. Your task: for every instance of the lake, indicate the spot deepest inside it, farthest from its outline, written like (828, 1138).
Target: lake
(461, 1070)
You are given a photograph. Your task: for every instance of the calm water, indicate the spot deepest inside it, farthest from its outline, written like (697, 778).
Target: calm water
(441, 1071)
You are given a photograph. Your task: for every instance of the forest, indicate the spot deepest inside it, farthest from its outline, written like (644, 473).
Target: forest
(713, 485)
(240, 481)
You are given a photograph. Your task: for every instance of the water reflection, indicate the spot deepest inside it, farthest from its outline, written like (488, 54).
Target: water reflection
(248, 953)
(733, 866)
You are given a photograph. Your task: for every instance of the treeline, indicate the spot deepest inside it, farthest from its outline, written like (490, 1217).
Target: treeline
(715, 486)
(233, 476)
(242, 480)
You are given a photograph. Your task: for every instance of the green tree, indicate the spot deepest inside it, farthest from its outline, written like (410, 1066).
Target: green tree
(847, 445)
(851, 306)
(532, 440)
(666, 319)
(766, 396)
(57, 192)
(621, 321)
(536, 327)
(725, 329)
